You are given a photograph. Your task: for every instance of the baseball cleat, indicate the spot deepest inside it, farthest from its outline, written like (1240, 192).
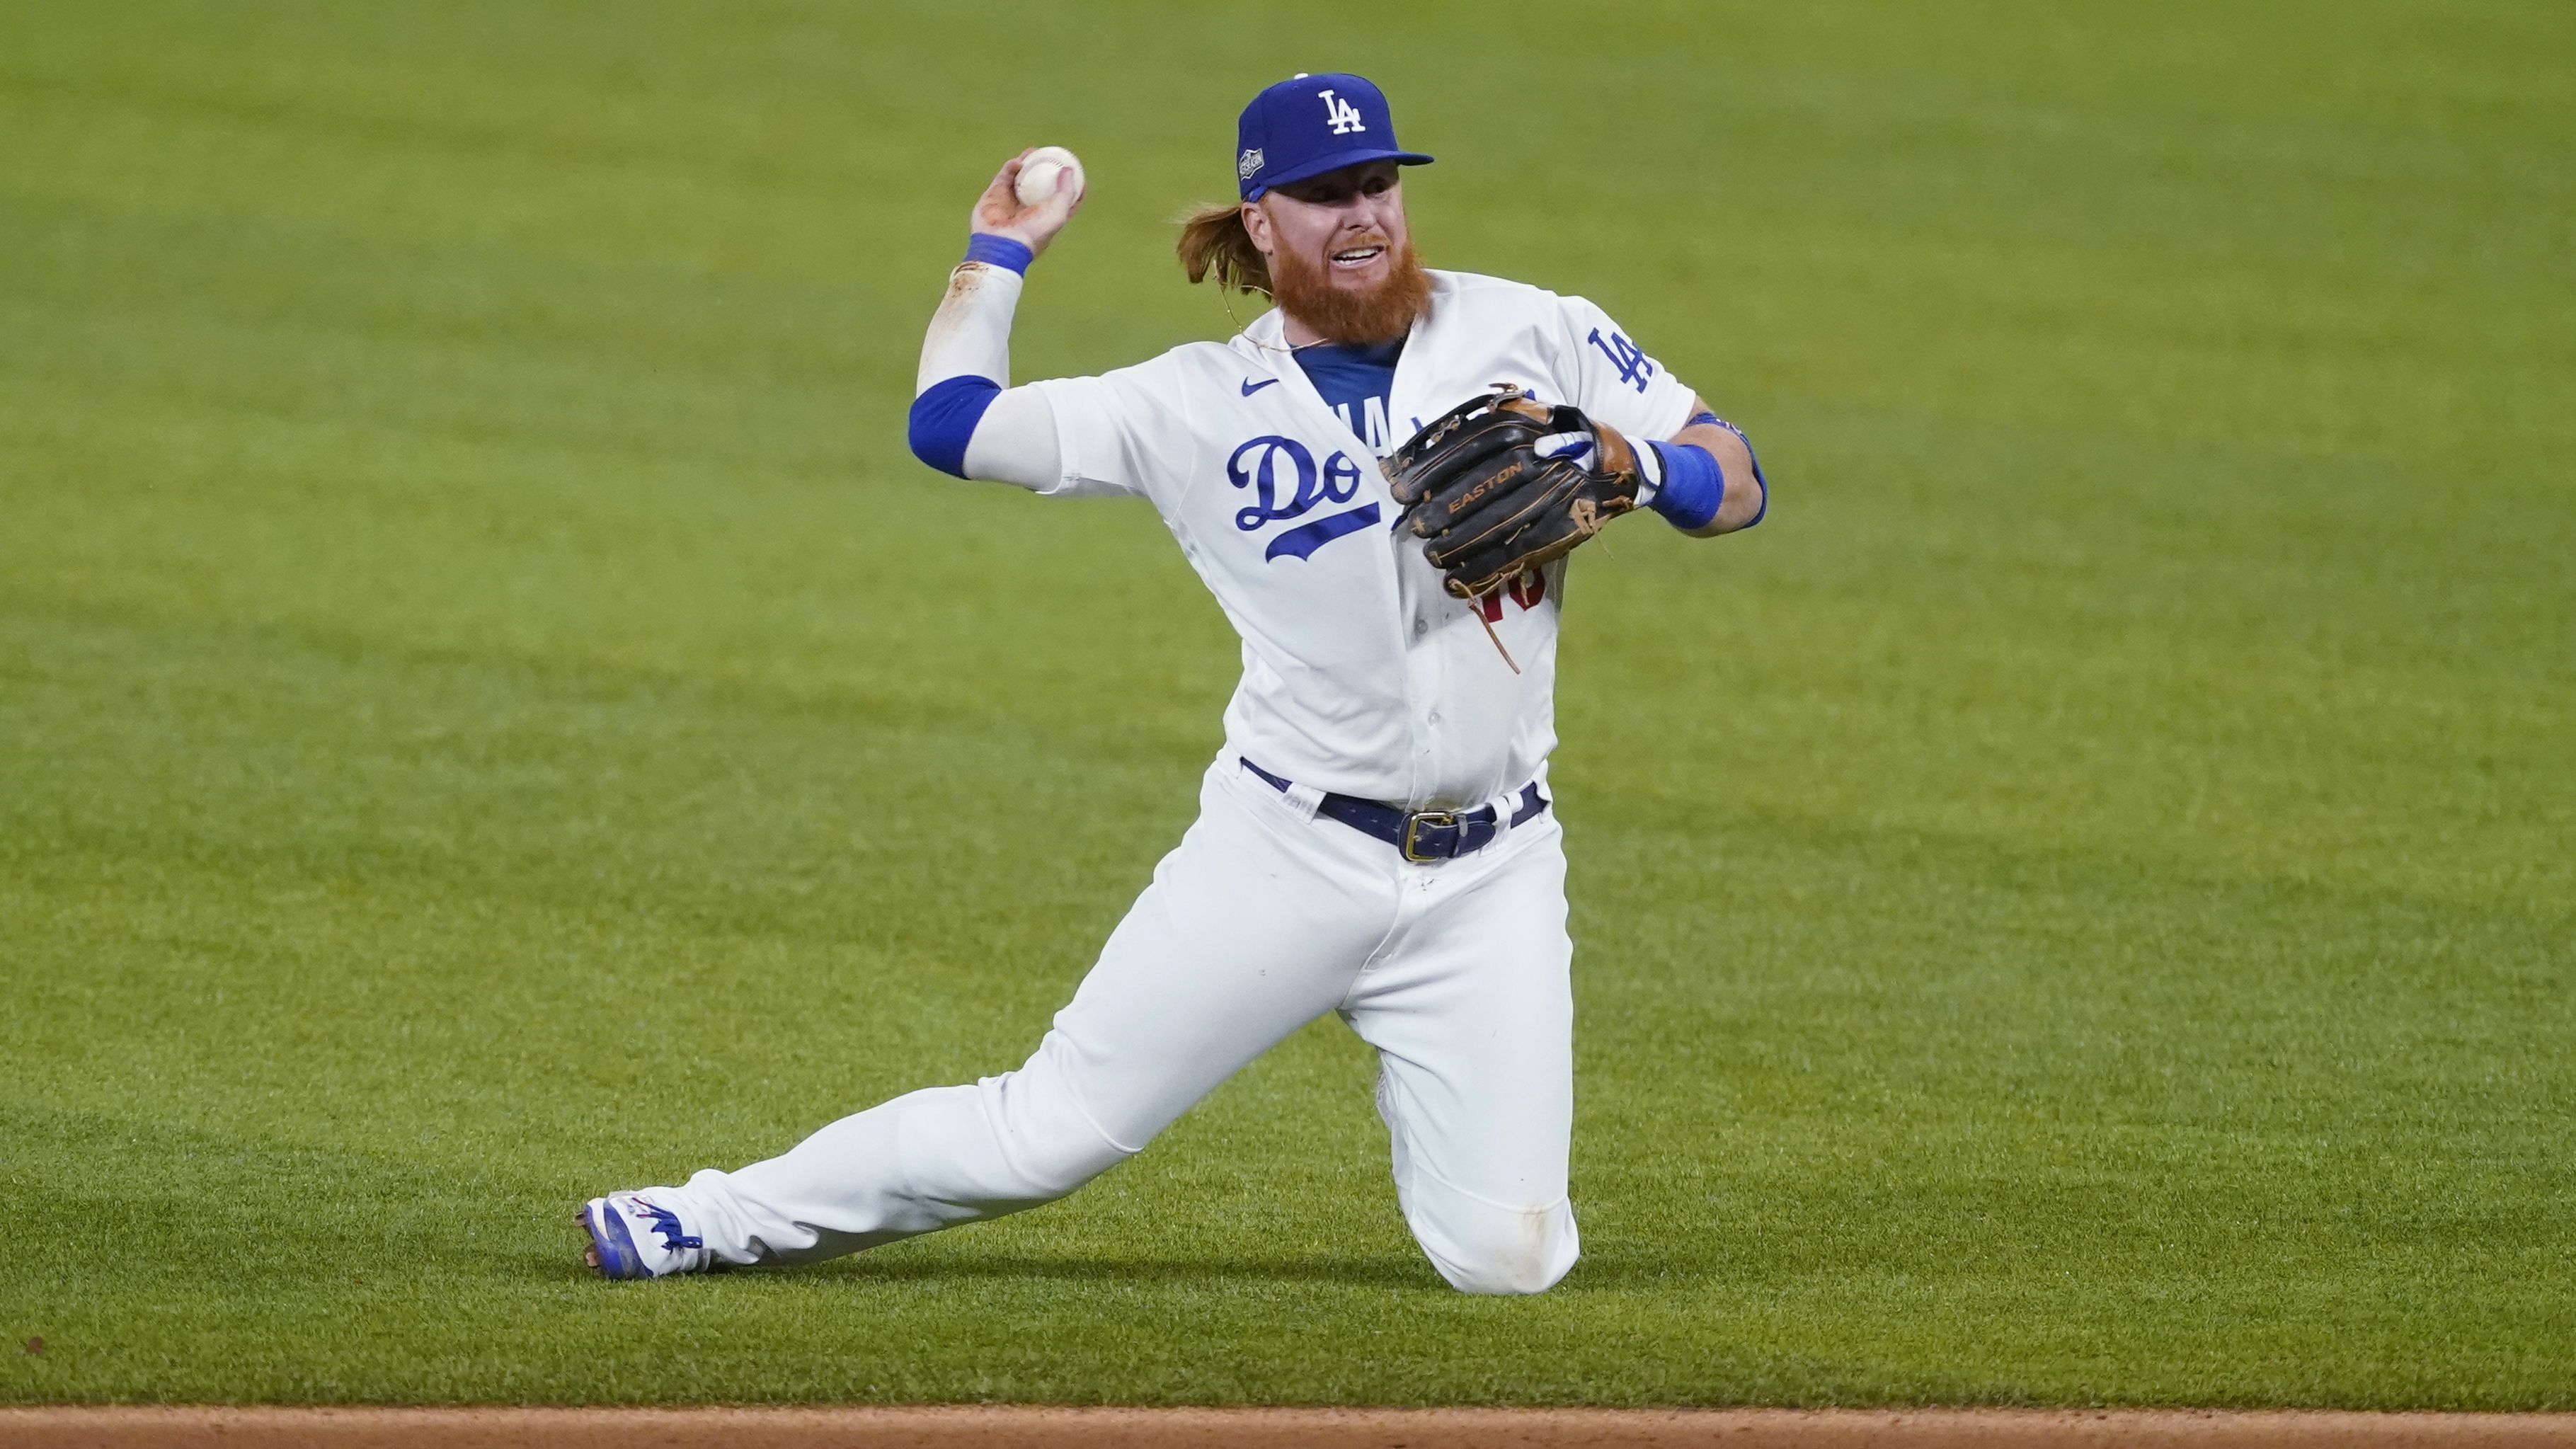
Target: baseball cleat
(631, 1236)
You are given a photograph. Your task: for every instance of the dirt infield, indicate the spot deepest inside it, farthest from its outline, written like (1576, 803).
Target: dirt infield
(1027, 1428)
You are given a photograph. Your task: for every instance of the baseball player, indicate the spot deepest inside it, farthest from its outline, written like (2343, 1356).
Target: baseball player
(1379, 479)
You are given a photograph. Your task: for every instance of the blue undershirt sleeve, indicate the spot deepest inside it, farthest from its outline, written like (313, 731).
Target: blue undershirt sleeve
(944, 418)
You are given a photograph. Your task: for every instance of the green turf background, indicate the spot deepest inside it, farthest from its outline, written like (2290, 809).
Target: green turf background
(2076, 908)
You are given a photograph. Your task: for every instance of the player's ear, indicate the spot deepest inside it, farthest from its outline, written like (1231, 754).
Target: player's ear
(1256, 225)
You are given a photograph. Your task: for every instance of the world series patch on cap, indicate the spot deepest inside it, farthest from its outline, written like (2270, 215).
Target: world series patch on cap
(1310, 124)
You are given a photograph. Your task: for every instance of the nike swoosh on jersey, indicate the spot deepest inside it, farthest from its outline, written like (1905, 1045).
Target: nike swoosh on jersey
(1250, 387)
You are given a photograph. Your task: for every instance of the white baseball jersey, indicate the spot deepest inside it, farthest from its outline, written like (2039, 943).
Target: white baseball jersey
(1361, 674)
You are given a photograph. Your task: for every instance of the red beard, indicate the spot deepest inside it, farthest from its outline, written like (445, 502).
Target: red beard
(1383, 313)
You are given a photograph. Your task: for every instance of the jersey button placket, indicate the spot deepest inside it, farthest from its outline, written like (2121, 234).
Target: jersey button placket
(1427, 680)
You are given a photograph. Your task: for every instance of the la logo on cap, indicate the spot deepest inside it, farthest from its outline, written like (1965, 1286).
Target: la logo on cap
(1277, 141)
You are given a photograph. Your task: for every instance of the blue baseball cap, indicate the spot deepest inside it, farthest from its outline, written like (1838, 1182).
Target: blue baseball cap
(1312, 124)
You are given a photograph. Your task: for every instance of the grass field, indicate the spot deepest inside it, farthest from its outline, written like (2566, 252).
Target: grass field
(2079, 907)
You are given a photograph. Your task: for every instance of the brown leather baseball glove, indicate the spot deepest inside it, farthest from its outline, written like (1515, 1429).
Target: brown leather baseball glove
(1499, 484)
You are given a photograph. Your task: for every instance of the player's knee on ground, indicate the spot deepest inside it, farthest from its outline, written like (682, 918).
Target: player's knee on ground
(1482, 1247)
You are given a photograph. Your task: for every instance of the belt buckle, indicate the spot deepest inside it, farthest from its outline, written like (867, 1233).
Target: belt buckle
(1414, 823)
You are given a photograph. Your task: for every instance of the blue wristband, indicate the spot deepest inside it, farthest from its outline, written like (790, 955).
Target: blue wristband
(999, 251)
(1693, 485)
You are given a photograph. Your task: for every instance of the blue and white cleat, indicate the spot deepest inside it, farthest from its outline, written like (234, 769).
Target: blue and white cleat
(632, 1236)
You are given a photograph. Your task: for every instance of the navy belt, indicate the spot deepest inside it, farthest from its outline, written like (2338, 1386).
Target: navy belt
(1419, 834)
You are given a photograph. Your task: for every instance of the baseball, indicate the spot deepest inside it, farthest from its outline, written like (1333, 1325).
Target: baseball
(1048, 170)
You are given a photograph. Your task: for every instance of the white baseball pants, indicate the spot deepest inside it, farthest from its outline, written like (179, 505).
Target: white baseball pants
(1262, 919)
